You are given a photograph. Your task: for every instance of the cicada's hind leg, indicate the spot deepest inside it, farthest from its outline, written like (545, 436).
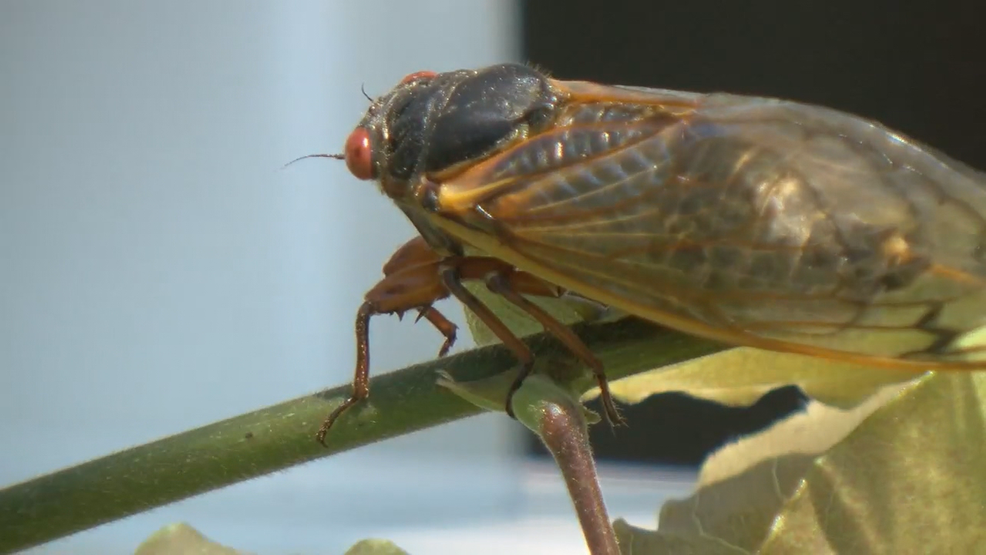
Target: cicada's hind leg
(506, 285)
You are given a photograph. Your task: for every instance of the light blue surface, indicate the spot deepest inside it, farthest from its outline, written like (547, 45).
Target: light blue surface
(159, 271)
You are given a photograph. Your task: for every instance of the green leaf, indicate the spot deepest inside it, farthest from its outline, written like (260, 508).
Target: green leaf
(375, 547)
(182, 539)
(740, 376)
(908, 478)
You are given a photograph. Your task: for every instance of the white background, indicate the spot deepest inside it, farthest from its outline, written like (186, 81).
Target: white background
(159, 271)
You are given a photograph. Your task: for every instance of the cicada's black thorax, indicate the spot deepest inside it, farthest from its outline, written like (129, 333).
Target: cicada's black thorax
(433, 123)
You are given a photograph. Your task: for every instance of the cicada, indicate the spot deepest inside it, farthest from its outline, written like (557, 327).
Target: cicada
(751, 221)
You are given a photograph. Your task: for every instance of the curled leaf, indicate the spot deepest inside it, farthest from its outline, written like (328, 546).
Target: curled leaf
(901, 473)
(739, 377)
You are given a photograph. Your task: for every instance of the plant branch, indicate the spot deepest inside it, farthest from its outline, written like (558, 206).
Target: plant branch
(270, 439)
(558, 419)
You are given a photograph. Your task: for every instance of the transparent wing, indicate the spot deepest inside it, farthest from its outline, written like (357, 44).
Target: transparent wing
(756, 221)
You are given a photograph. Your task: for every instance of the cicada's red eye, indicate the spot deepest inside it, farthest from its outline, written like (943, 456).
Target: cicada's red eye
(359, 158)
(418, 75)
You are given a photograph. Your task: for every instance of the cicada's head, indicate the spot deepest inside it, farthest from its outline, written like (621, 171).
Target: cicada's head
(432, 123)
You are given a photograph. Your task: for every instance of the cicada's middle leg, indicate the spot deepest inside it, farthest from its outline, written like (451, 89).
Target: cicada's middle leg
(503, 285)
(512, 285)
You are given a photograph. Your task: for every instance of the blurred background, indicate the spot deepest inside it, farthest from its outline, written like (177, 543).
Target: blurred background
(159, 270)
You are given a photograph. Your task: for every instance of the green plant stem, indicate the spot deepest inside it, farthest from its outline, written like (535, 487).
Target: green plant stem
(270, 439)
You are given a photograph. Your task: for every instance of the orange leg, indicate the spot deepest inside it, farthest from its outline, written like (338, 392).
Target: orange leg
(413, 287)
(416, 254)
(500, 284)
(416, 277)
(443, 325)
(453, 281)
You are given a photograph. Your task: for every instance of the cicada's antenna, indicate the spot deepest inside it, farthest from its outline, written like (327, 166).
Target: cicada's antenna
(362, 89)
(333, 156)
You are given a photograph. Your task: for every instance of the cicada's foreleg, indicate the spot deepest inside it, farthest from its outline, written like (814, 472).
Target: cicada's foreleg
(417, 254)
(416, 277)
(413, 286)
(507, 286)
